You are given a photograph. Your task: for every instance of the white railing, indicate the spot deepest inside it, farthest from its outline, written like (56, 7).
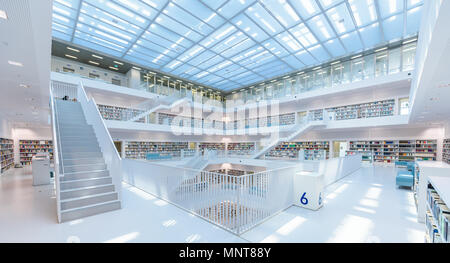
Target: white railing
(58, 172)
(236, 203)
(110, 154)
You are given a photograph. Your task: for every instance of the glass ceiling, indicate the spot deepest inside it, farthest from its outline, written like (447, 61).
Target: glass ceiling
(228, 44)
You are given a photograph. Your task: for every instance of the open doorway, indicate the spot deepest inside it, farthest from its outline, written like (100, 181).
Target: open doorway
(340, 148)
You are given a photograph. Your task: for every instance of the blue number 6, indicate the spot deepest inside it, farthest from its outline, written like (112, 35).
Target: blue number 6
(303, 199)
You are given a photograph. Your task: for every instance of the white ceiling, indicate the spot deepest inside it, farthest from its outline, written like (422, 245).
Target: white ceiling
(25, 37)
(228, 44)
(430, 93)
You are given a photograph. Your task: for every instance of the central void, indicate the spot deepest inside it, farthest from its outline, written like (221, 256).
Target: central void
(228, 44)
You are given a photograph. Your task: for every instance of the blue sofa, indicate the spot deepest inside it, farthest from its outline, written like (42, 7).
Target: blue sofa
(404, 178)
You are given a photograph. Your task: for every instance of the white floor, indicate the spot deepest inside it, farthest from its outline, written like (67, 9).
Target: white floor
(363, 207)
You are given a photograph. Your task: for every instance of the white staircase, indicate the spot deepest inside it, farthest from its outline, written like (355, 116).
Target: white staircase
(295, 131)
(85, 187)
(165, 103)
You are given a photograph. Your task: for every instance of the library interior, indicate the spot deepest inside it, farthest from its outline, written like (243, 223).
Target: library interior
(225, 121)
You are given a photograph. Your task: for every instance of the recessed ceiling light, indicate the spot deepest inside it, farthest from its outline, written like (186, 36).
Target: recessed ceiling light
(136, 68)
(409, 41)
(336, 62)
(25, 86)
(93, 62)
(357, 56)
(95, 56)
(3, 14)
(114, 68)
(117, 62)
(381, 49)
(73, 49)
(300, 73)
(167, 77)
(69, 56)
(14, 63)
(316, 68)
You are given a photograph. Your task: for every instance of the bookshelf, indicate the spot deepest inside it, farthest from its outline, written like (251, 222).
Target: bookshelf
(390, 151)
(118, 113)
(289, 150)
(426, 150)
(446, 151)
(211, 146)
(241, 148)
(316, 115)
(29, 148)
(139, 150)
(437, 215)
(364, 110)
(6, 154)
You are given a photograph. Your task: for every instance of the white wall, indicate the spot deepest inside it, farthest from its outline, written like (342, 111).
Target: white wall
(403, 133)
(5, 129)
(84, 70)
(29, 134)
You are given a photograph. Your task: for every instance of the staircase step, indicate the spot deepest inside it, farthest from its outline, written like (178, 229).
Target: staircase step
(85, 191)
(88, 200)
(84, 175)
(81, 212)
(84, 168)
(79, 143)
(80, 148)
(80, 155)
(66, 185)
(82, 161)
(75, 138)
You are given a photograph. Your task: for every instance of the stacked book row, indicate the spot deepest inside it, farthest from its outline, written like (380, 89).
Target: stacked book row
(6, 154)
(29, 148)
(437, 218)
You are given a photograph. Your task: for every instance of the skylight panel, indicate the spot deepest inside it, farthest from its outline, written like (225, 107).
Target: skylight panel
(232, 7)
(319, 53)
(142, 9)
(201, 11)
(306, 58)
(302, 34)
(238, 48)
(64, 11)
(160, 33)
(177, 27)
(352, 42)
(157, 4)
(328, 3)
(293, 62)
(91, 43)
(341, 19)
(371, 35)
(68, 3)
(393, 27)
(306, 8)
(141, 61)
(275, 48)
(283, 12)
(247, 25)
(187, 19)
(264, 19)
(220, 34)
(321, 28)
(363, 11)
(215, 60)
(202, 57)
(413, 20)
(390, 7)
(413, 3)
(60, 35)
(289, 42)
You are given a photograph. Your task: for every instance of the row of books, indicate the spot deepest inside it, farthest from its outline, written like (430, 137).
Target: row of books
(29, 148)
(437, 218)
(446, 151)
(6, 154)
(389, 151)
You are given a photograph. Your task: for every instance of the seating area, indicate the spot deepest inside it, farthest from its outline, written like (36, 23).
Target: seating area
(405, 177)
